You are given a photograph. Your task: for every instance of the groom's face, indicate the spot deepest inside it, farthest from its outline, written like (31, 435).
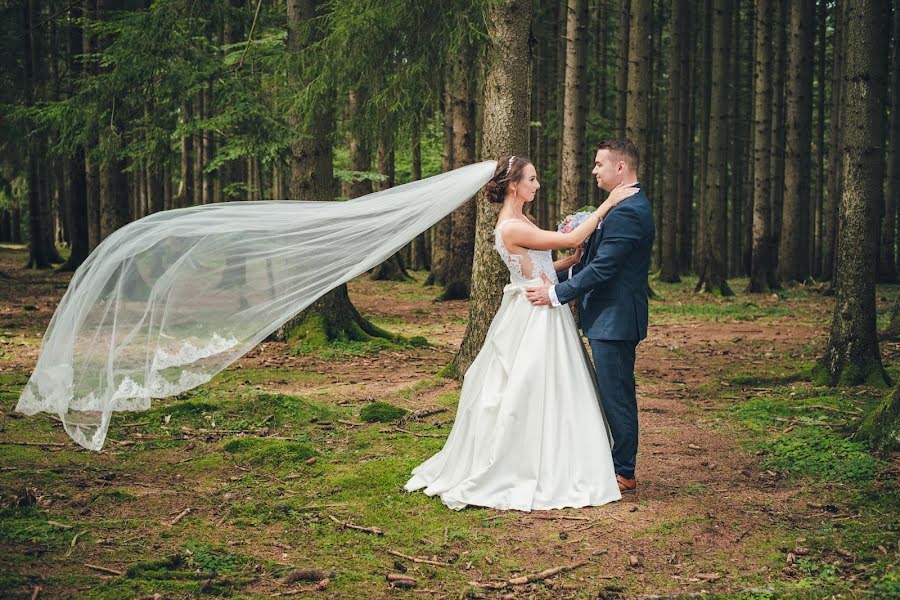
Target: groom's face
(607, 171)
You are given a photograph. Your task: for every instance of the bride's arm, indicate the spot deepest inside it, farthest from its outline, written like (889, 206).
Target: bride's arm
(527, 236)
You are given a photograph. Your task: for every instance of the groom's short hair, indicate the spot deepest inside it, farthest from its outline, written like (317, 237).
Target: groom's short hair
(624, 150)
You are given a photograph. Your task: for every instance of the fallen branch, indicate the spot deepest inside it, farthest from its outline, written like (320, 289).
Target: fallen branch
(350, 423)
(830, 409)
(401, 581)
(556, 517)
(72, 545)
(314, 575)
(39, 444)
(374, 530)
(418, 560)
(422, 435)
(60, 525)
(420, 414)
(106, 570)
(181, 515)
(546, 574)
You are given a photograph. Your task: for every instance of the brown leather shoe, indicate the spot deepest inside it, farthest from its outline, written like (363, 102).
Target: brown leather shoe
(626, 486)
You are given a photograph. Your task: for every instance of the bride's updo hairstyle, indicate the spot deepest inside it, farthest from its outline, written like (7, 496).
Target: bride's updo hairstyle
(509, 169)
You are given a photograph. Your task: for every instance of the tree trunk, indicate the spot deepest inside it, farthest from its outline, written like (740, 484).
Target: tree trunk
(637, 120)
(440, 245)
(887, 265)
(684, 237)
(393, 268)
(199, 159)
(762, 262)
(360, 153)
(779, 16)
(713, 270)
(572, 156)
(114, 204)
(819, 190)
(37, 257)
(793, 254)
(77, 205)
(186, 190)
(705, 86)
(852, 356)
(622, 68)
(835, 149)
(669, 270)
(462, 240)
(505, 132)
(420, 250)
(333, 316)
(602, 41)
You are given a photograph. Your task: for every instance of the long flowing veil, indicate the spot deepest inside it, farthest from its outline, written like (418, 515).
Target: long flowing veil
(168, 301)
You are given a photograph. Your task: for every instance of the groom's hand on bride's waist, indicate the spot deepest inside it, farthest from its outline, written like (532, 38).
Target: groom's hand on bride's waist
(539, 296)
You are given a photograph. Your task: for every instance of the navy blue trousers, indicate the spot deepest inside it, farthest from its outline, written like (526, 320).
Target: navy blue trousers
(614, 365)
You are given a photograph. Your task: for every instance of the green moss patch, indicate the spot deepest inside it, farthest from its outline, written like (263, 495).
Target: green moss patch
(381, 412)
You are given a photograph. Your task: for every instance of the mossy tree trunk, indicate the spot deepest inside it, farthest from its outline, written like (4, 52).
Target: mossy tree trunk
(852, 356)
(506, 115)
(333, 316)
(881, 427)
(893, 328)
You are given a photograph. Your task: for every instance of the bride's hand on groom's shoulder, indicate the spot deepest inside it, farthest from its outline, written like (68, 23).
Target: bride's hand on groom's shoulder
(619, 193)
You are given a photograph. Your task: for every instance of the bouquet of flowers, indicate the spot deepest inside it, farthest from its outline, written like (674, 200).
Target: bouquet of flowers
(575, 219)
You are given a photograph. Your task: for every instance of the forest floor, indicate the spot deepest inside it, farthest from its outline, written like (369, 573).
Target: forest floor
(749, 483)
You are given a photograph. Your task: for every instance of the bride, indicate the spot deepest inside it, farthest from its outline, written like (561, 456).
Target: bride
(529, 432)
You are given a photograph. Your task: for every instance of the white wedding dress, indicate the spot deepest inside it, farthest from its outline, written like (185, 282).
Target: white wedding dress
(529, 432)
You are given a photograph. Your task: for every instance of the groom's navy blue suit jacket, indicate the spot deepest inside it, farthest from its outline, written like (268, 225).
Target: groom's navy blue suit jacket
(611, 280)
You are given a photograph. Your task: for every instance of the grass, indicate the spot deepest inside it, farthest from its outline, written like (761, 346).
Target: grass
(804, 432)
(235, 451)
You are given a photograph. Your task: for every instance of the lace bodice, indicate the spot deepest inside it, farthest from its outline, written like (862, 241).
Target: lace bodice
(527, 266)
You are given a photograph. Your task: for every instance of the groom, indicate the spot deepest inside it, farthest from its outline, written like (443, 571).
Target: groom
(611, 284)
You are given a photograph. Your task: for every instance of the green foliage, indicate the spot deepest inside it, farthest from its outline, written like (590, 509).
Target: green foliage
(381, 412)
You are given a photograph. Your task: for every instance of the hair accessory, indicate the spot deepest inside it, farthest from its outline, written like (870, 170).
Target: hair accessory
(509, 164)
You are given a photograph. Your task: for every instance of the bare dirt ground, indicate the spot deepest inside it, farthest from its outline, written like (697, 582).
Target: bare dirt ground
(708, 517)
